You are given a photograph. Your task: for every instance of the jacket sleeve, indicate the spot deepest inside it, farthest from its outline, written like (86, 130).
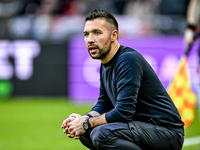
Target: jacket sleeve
(129, 74)
(103, 104)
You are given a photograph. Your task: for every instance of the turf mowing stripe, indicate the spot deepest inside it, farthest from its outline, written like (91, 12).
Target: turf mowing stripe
(192, 141)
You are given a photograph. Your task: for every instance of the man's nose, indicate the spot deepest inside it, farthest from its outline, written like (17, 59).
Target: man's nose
(90, 38)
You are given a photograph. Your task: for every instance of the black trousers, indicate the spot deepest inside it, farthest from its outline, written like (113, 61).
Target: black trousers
(135, 135)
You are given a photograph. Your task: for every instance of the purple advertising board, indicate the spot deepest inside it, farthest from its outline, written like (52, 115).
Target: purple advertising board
(162, 52)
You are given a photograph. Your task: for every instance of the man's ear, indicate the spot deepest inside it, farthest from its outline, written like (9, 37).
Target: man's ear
(114, 35)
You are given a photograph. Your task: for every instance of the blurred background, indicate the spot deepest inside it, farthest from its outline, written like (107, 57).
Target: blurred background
(46, 73)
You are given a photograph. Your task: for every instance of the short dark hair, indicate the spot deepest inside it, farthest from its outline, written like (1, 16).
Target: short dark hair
(98, 13)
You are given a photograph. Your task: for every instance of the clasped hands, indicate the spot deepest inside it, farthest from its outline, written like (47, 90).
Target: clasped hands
(73, 126)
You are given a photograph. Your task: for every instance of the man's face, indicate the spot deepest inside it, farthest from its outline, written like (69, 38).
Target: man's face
(98, 38)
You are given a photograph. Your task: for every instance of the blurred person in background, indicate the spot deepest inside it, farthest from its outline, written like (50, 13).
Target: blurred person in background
(44, 19)
(48, 7)
(192, 31)
(144, 10)
(8, 9)
(173, 7)
(134, 110)
(141, 8)
(72, 7)
(80, 7)
(30, 7)
(173, 12)
(100, 4)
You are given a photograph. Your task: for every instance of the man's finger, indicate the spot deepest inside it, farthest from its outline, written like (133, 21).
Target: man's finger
(63, 126)
(76, 137)
(65, 131)
(74, 115)
(71, 135)
(66, 121)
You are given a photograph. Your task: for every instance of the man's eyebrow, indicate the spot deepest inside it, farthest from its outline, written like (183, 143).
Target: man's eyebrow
(85, 32)
(94, 30)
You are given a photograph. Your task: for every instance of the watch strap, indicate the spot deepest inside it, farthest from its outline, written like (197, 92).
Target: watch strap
(90, 116)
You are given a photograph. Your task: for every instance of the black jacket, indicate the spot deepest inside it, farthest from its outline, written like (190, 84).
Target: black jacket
(130, 90)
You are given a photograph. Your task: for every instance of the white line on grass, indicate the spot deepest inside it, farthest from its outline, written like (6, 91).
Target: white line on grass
(192, 141)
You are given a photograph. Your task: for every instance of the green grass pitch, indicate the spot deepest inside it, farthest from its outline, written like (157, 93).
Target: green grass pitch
(28, 123)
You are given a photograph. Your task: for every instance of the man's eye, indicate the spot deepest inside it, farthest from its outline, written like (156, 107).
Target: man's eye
(85, 34)
(97, 33)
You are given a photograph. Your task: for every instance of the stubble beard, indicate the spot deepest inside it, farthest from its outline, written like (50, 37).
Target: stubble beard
(101, 52)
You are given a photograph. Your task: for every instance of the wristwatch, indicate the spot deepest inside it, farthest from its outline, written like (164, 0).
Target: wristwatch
(86, 124)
